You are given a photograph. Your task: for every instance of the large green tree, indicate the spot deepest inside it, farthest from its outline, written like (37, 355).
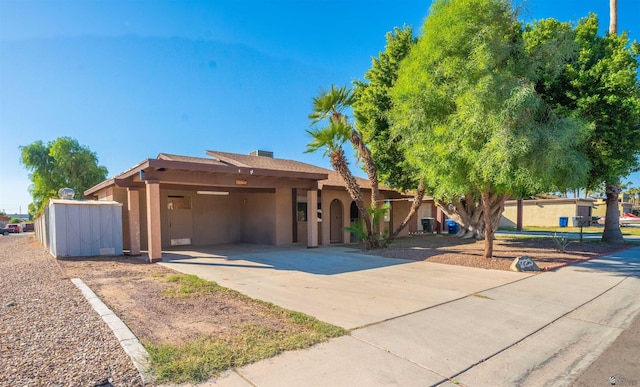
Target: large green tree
(600, 86)
(470, 119)
(59, 164)
(371, 108)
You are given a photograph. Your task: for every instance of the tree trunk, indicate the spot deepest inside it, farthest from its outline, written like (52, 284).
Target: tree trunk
(612, 233)
(613, 17)
(468, 213)
(339, 164)
(417, 201)
(493, 208)
(364, 155)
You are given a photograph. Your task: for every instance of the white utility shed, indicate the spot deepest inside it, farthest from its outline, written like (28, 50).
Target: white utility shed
(84, 228)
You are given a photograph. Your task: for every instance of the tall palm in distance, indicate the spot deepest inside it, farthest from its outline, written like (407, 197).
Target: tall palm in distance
(612, 233)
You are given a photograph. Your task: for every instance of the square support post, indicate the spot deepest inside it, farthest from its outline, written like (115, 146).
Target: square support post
(312, 218)
(133, 210)
(153, 221)
(519, 215)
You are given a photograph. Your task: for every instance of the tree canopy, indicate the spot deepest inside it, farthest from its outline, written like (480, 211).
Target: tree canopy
(469, 116)
(600, 86)
(59, 164)
(371, 108)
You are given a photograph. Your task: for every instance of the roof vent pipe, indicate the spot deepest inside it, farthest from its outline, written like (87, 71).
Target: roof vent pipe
(261, 153)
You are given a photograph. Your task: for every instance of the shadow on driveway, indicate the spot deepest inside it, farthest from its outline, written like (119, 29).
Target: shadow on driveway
(323, 261)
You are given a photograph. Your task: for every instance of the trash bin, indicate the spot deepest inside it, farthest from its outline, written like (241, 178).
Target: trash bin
(577, 221)
(452, 226)
(564, 221)
(427, 224)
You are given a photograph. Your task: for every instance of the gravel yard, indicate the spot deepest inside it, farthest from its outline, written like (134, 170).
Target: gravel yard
(468, 252)
(49, 334)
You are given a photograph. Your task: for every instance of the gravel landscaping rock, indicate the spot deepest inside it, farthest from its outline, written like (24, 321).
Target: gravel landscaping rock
(49, 334)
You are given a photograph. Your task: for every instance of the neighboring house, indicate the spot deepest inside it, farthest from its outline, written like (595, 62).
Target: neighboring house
(623, 206)
(4, 220)
(233, 198)
(546, 212)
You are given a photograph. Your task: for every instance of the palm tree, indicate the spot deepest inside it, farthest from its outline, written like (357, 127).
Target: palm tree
(613, 17)
(330, 106)
(611, 232)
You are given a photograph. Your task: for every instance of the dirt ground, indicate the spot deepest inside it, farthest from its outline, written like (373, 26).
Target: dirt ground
(455, 251)
(134, 289)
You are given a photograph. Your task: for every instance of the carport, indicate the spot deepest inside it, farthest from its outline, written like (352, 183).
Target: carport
(178, 200)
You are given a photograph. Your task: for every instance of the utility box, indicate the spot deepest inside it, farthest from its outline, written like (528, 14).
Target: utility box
(84, 228)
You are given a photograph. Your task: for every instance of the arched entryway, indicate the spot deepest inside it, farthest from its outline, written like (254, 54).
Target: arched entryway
(336, 225)
(354, 217)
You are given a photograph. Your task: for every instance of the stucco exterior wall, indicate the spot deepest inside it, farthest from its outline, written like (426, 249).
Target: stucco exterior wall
(258, 218)
(106, 194)
(601, 208)
(215, 219)
(284, 216)
(263, 218)
(327, 196)
(540, 212)
(400, 209)
(426, 210)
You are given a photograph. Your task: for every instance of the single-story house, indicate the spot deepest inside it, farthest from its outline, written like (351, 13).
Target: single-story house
(546, 212)
(600, 208)
(234, 198)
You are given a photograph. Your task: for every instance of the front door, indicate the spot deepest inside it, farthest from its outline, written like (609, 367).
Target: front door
(336, 224)
(180, 220)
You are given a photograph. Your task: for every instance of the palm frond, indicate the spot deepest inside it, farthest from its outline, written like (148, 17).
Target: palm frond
(330, 102)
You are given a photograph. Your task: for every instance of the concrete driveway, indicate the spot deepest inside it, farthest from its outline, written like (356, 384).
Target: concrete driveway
(452, 325)
(338, 285)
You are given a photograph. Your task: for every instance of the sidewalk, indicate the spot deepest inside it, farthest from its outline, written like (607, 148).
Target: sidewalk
(542, 330)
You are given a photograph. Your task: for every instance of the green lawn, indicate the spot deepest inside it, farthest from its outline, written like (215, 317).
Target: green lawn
(586, 230)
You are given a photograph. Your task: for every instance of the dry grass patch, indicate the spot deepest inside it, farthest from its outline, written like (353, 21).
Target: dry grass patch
(194, 328)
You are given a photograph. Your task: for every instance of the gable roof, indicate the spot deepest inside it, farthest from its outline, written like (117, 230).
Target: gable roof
(251, 161)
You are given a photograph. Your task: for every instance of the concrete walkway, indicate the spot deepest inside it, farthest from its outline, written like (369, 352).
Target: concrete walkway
(452, 325)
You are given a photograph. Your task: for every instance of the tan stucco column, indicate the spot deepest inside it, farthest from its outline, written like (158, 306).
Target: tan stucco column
(133, 209)
(153, 221)
(440, 219)
(312, 218)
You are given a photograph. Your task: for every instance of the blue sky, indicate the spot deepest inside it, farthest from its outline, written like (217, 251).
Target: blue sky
(131, 79)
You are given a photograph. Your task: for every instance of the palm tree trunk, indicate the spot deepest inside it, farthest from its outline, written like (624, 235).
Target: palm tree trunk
(613, 17)
(364, 155)
(612, 233)
(339, 164)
